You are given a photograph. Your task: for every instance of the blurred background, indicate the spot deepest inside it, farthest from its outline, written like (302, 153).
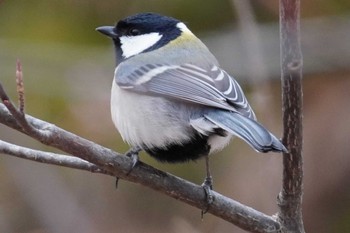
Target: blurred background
(68, 69)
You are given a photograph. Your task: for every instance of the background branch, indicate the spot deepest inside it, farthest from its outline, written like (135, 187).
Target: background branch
(290, 198)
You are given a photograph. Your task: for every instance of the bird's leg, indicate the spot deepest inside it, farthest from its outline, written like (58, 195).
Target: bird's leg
(208, 186)
(133, 154)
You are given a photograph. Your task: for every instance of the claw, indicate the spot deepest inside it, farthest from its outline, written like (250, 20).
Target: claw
(208, 187)
(116, 182)
(133, 154)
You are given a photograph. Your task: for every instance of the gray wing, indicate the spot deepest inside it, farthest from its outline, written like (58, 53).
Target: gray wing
(210, 87)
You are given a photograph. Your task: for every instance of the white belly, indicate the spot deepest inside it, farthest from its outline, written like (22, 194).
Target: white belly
(147, 121)
(154, 122)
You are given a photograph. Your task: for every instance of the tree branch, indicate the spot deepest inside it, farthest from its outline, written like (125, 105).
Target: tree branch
(49, 158)
(290, 198)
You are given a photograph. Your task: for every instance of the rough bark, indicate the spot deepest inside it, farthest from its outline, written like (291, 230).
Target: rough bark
(290, 197)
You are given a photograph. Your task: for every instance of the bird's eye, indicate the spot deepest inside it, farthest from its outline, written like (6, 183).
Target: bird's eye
(134, 32)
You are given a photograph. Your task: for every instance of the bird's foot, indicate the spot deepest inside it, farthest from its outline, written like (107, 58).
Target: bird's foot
(208, 187)
(133, 154)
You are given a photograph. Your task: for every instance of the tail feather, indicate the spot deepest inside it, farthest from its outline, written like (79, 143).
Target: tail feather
(247, 129)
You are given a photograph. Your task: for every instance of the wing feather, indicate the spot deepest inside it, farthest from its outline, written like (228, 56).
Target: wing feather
(210, 87)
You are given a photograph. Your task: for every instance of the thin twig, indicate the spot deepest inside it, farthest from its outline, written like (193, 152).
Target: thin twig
(19, 116)
(20, 86)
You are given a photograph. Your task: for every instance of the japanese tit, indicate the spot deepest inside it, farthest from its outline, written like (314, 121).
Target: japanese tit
(170, 97)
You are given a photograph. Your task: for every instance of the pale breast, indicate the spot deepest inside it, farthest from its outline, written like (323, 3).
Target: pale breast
(148, 121)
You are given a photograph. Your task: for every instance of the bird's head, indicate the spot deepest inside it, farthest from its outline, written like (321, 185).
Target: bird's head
(143, 32)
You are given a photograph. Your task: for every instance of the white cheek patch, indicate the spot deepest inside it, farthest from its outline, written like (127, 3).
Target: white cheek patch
(132, 45)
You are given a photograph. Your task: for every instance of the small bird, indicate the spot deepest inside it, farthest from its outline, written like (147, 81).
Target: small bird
(170, 97)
